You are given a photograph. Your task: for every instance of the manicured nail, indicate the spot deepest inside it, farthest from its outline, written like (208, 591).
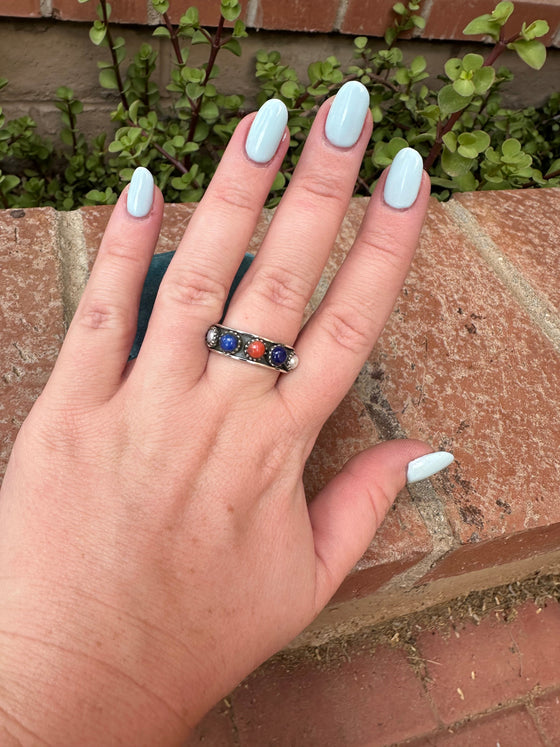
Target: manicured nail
(404, 179)
(267, 131)
(140, 193)
(427, 465)
(347, 114)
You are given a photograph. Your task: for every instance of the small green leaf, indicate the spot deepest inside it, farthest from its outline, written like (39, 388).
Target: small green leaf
(209, 111)
(511, 148)
(483, 79)
(454, 164)
(233, 46)
(190, 17)
(399, 9)
(531, 52)
(472, 62)
(97, 33)
(502, 11)
(484, 25)
(360, 42)
(108, 79)
(450, 141)
(161, 31)
(449, 101)
(230, 10)
(464, 87)
(453, 68)
(279, 182)
(161, 6)
(534, 30)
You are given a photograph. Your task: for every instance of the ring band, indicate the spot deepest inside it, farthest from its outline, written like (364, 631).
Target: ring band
(251, 348)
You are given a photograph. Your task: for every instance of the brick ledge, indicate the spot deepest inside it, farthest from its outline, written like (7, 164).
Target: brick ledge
(468, 362)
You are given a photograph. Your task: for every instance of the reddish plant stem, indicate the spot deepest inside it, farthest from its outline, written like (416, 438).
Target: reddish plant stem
(216, 43)
(443, 129)
(116, 68)
(174, 39)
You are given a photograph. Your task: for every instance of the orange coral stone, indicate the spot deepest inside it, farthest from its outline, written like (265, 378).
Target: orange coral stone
(255, 349)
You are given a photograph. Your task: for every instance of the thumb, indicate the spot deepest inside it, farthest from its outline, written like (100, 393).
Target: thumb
(348, 511)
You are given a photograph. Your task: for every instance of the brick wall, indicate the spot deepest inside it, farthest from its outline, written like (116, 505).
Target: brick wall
(445, 19)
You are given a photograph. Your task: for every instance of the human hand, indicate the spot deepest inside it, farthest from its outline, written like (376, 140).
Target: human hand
(156, 541)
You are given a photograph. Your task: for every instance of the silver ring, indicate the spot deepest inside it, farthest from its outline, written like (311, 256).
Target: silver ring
(251, 348)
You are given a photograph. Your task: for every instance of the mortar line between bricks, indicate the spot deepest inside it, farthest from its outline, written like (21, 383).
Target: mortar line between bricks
(423, 495)
(532, 711)
(534, 303)
(340, 14)
(72, 254)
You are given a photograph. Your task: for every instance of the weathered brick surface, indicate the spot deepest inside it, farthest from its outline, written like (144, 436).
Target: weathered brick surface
(513, 727)
(31, 314)
(445, 19)
(479, 668)
(349, 704)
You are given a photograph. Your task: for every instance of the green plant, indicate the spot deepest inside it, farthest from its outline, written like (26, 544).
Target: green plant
(467, 138)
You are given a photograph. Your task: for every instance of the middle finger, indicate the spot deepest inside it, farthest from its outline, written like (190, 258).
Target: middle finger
(272, 297)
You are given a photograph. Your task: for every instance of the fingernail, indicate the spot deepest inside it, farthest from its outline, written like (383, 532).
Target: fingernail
(140, 193)
(427, 465)
(267, 131)
(404, 179)
(347, 114)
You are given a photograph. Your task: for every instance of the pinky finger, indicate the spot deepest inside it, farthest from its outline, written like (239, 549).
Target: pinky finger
(96, 348)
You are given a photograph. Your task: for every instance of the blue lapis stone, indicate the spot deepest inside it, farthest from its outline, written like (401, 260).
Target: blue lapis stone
(228, 342)
(278, 355)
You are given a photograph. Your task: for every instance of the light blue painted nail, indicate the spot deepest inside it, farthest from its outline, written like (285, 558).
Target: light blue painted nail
(404, 179)
(267, 131)
(140, 193)
(347, 114)
(427, 465)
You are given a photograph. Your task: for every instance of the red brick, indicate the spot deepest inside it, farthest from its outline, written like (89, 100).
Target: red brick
(373, 699)
(124, 11)
(524, 225)
(31, 311)
(369, 17)
(296, 15)
(509, 728)
(448, 18)
(464, 368)
(508, 549)
(403, 538)
(215, 729)
(485, 666)
(21, 8)
(209, 11)
(547, 713)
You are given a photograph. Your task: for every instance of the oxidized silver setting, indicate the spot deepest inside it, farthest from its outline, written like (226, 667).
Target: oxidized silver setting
(250, 348)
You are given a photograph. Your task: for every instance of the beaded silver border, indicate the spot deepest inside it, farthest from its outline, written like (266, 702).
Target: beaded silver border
(216, 331)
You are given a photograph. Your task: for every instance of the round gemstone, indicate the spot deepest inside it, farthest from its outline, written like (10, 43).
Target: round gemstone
(278, 355)
(212, 337)
(256, 349)
(229, 342)
(293, 360)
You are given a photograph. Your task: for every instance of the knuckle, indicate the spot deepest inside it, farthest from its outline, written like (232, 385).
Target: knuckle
(195, 288)
(349, 327)
(282, 288)
(96, 314)
(238, 196)
(383, 248)
(320, 185)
